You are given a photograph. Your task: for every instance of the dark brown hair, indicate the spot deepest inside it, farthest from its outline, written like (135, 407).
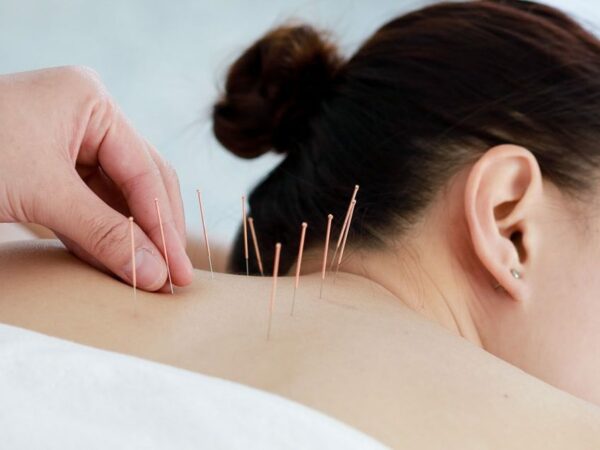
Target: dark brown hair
(424, 96)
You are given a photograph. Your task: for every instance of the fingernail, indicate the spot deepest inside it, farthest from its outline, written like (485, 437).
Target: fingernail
(150, 270)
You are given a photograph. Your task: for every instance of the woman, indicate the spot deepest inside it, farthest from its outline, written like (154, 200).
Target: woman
(463, 314)
(471, 129)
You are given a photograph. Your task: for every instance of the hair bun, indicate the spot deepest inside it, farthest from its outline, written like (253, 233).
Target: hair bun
(273, 89)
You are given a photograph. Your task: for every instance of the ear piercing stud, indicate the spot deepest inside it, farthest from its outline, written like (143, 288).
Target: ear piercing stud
(515, 273)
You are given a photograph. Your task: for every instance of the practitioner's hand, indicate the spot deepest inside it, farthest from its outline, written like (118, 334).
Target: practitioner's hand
(69, 160)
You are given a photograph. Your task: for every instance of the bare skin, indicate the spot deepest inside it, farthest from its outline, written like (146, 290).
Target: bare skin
(358, 354)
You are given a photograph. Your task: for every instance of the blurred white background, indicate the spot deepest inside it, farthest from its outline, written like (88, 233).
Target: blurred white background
(164, 62)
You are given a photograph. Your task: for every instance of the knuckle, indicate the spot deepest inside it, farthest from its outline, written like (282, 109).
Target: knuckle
(105, 106)
(87, 73)
(155, 230)
(85, 78)
(106, 237)
(171, 173)
(81, 73)
(140, 181)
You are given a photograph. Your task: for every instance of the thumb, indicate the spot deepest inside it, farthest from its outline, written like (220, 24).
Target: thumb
(103, 236)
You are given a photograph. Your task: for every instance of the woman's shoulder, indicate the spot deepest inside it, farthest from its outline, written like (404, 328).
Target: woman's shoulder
(415, 384)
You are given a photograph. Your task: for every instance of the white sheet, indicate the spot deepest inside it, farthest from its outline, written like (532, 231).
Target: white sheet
(56, 394)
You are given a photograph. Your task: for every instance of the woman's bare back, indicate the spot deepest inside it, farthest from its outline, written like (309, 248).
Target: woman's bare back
(358, 354)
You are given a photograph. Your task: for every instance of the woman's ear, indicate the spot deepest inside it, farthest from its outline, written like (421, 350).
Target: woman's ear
(502, 188)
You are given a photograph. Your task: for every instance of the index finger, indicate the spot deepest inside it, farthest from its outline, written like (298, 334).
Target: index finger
(171, 184)
(124, 157)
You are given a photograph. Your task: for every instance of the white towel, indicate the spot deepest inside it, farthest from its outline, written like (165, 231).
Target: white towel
(55, 394)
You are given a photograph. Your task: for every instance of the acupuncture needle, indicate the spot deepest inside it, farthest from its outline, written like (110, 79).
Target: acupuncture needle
(162, 234)
(212, 275)
(274, 288)
(325, 251)
(343, 230)
(299, 264)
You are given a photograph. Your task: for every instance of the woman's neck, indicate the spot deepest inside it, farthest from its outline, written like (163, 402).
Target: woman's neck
(425, 286)
(421, 274)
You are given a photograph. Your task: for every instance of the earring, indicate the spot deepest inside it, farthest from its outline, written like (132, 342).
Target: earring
(515, 273)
